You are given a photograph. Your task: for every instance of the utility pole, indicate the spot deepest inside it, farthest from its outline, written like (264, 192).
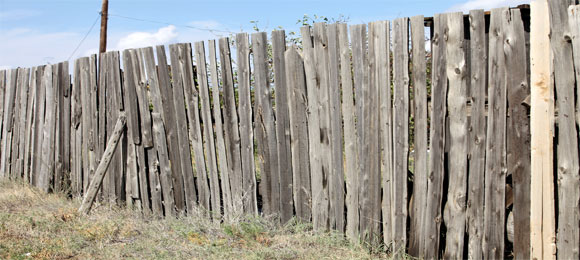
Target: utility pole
(104, 19)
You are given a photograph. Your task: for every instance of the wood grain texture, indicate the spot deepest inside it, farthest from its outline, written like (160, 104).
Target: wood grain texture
(542, 208)
(475, 182)
(574, 28)
(208, 138)
(219, 133)
(12, 163)
(29, 138)
(21, 117)
(113, 105)
(249, 186)
(76, 130)
(336, 177)
(297, 101)
(231, 134)
(518, 134)
(433, 218)
(47, 161)
(495, 163)
(350, 138)
(282, 125)
(165, 173)
(400, 130)
(7, 133)
(265, 129)
(420, 134)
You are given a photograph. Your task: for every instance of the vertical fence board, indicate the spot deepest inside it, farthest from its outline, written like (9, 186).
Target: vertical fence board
(2, 94)
(297, 103)
(350, 139)
(9, 103)
(477, 138)
(574, 28)
(21, 117)
(29, 140)
(336, 178)
(432, 219)
(232, 136)
(47, 161)
(209, 143)
(282, 125)
(164, 165)
(420, 134)
(170, 118)
(76, 129)
(114, 104)
(518, 135)
(12, 163)
(246, 130)
(265, 129)
(219, 132)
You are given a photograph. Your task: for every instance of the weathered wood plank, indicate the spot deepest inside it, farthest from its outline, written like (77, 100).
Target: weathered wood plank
(164, 165)
(108, 182)
(264, 128)
(187, 108)
(568, 232)
(350, 138)
(47, 161)
(454, 212)
(542, 208)
(93, 116)
(85, 119)
(112, 144)
(432, 218)
(2, 94)
(518, 159)
(113, 104)
(9, 103)
(29, 141)
(209, 143)
(282, 125)
(24, 80)
(574, 28)
(419, 134)
(65, 123)
(297, 104)
(495, 163)
(336, 177)
(320, 41)
(477, 135)
(246, 130)
(12, 162)
(76, 129)
(169, 117)
(61, 129)
(400, 130)
(219, 133)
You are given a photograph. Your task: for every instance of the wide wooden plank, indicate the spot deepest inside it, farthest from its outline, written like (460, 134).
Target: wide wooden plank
(574, 29)
(432, 218)
(454, 213)
(518, 135)
(47, 159)
(169, 117)
(249, 186)
(420, 173)
(208, 142)
(264, 128)
(297, 104)
(336, 177)
(542, 205)
(219, 132)
(350, 139)
(400, 130)
(495, 163)
(182, 76)
(282, 125)
(477, 135)
(7, 133)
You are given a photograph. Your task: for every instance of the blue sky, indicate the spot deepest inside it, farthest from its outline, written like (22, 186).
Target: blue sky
(36, 32)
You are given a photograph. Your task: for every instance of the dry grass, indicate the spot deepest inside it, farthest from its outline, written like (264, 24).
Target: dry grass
(34, 225)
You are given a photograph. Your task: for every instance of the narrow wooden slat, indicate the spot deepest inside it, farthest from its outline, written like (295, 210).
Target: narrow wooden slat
(76, 130)
(12, 162)
(568, 232)
(495, 163)
(542, 208)
(574, 28)
(2, 94)
(164, 165)
(9, 100)
(58, 142)
(21, 118)
(208, 142)
(320, 41)
(108, 181)
(420, 173)
(93, 116)
(296, 82)
(432, 219)
(169, 117)
(282, 125)
(246, 130)
(400, 130)
(518, 135)
(336, 178)
(219, 133)
(29, 141)
(475, 183)
(180, 83)
(350, 138)
(84, 117)
(454, 215)
(264, 128)
(47, 160)
(113, 105)
(65, 123)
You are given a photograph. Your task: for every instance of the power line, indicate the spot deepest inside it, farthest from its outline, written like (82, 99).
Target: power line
(167, 23)
(85, 37)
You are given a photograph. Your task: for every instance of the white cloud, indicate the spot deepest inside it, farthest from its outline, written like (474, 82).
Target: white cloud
(486, 4)
(164, 35)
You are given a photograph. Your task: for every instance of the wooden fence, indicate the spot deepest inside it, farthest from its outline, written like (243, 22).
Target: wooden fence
(361, 129)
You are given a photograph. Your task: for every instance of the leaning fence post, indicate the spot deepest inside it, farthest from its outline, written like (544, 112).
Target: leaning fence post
(103, 165)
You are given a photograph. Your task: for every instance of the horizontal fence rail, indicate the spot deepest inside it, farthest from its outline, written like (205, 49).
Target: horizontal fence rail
(361, 129)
